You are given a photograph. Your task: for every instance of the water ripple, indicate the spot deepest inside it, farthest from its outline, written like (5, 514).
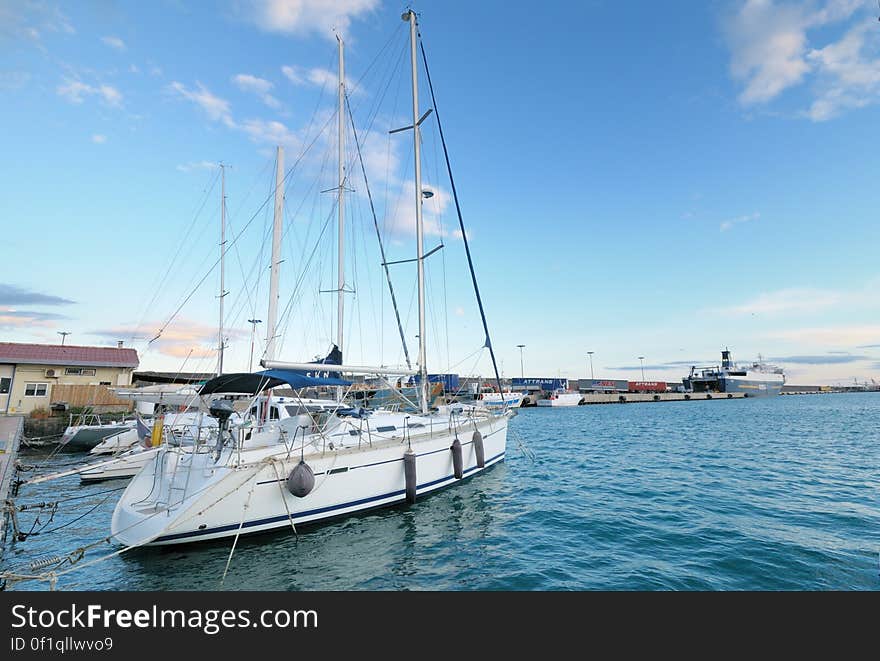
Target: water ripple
(777, 494)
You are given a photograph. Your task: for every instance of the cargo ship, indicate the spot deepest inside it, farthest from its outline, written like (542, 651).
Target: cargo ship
(757, 380)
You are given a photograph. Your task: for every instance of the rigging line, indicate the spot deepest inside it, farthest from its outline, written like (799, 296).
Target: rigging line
(245, 290)
(311, 256)
(374, 113)
(180, 245)
(391, 39)
(260, 258)
(432, 206)
(392, 74)
(234, 240)
(43, 531)
(460, 219)
(245, 298)
(442, 229)
(378, 236)
(396, 101)
(312, 119)
(284, 317)
(206, 258)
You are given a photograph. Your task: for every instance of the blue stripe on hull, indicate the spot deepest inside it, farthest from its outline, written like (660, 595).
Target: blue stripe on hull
(362, 504)
(751, 388)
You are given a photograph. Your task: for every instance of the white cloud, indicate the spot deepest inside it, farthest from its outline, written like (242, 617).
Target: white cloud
(216, 108)
(739, 220)
(13, 80)
(249, 83)
(294, 74)
(771, 52)
(258, 86)
(196, 165)
(850, 77)
(114, 42)
(184, 338)
(317, 76)
(381, 157)
(99, 139)
(75, 91)
(261, 131)
(768, 43)
(271, 132)
(401, 218)
(795, 299)
(302, 17)
(322, 77)
(802, 300)
(840, 336)
(111, 95)
(30, 19)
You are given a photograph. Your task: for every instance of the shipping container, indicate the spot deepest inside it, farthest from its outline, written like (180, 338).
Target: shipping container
(527, 383)
(450, 381)
(647, 386)
(603, 385)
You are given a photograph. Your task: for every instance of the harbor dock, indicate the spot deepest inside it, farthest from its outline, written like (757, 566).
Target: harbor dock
(10, 437)
(634, 397)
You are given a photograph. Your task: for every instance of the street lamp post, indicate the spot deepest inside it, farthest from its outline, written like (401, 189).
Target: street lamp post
(253, 323)
(642, 359)
(63, 335)
(590, 354)
(522, 372)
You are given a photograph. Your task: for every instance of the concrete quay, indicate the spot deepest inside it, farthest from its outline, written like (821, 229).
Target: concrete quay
(639, 397)
(10, 437)
(636, 397)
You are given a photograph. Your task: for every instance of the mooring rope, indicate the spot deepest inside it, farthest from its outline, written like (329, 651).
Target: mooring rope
(244, 510)
(283, 498)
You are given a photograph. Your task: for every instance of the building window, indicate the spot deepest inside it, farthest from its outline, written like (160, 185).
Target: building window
(105, 383)
(79, 371)
(36, 389)
(4, 385)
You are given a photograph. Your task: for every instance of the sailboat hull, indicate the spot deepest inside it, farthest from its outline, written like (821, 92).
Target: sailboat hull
(186, 497)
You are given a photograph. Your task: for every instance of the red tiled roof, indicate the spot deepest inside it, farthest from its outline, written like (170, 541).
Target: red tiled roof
(55, 354)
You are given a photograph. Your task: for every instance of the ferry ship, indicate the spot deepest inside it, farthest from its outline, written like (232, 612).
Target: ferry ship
(757, 380)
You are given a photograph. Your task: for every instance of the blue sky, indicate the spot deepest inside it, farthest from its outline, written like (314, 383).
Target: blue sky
(637, 179)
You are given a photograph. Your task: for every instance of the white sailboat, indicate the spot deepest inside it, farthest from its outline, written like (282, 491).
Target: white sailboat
(500, 400)
(561, 398)
(314, 464)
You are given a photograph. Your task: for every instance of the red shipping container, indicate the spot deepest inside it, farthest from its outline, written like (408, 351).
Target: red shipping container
(647, 386)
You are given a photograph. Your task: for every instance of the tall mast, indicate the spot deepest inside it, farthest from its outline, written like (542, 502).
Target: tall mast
(340, 204)
(423, 371)
(222, 264)
(275, 267)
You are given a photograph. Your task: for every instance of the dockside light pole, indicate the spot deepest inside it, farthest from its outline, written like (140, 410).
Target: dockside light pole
(522, 372)
(590, 354)
(253, 323)
(642, 359)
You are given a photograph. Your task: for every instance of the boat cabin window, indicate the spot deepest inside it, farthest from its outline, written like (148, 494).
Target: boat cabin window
(273, 412)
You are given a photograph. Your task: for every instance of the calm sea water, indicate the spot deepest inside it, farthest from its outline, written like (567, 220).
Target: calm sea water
(751, 494)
